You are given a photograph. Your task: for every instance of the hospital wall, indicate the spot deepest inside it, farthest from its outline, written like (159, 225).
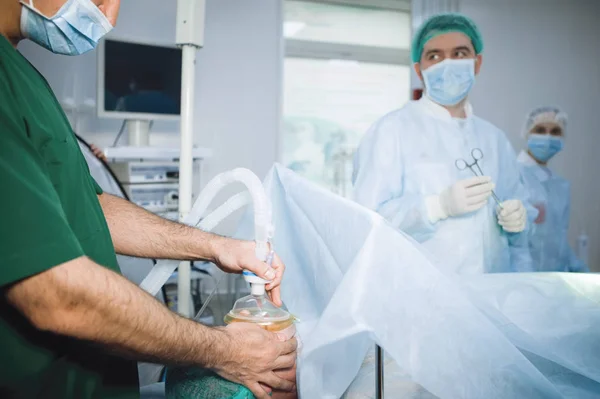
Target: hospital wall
(238, 81)
(546, 52)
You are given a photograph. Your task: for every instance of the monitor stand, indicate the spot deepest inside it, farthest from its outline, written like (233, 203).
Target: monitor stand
(139, 132)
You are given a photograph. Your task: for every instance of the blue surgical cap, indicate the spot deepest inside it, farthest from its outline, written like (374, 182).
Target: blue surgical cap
(441, 24)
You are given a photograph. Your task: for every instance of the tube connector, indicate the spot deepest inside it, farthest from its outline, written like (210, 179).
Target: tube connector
(257, 284)
(257, 289)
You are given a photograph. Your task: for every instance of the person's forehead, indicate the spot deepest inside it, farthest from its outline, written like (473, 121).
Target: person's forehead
(448, 41)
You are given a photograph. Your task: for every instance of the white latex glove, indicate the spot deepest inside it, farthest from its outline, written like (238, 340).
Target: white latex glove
(465, 196)
(512, 216)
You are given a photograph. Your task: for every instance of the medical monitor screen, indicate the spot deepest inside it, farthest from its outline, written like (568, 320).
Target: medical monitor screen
(141, 78)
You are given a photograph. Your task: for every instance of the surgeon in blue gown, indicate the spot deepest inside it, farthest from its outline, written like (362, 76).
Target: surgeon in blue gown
(550, 194)
(405, 165)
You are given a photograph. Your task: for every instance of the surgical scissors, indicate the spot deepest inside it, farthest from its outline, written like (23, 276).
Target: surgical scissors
(462, 164)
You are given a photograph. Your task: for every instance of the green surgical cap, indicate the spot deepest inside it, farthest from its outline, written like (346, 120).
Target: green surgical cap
(441, 24)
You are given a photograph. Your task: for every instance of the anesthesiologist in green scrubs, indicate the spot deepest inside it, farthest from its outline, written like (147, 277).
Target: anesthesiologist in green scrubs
(70, 325)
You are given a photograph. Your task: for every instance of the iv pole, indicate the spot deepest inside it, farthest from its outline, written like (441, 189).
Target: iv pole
(189, 37)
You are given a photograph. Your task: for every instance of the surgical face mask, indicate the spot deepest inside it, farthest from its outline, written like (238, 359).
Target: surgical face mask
(449, 82)
(75, 29)
(544, 146)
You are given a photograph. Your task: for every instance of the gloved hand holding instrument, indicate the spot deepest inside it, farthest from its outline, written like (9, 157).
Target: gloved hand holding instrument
(470, 195)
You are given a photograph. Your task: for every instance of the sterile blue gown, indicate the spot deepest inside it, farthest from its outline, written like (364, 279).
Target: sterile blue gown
(410, 154)
(549, 244)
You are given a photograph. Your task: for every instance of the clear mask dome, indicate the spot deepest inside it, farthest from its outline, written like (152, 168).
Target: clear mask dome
(259, 309)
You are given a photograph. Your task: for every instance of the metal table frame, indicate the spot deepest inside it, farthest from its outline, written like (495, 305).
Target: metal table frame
(379, 370)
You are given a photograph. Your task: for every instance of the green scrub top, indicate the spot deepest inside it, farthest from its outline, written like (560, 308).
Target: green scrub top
(51, 215)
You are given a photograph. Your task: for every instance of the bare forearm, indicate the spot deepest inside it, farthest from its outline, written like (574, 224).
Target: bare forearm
(86, 301)
(137, 232)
